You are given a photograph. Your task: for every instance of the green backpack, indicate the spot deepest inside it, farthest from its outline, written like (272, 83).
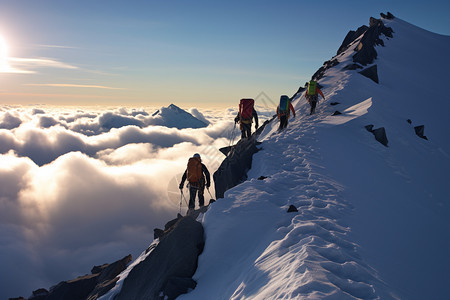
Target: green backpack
(312, 88)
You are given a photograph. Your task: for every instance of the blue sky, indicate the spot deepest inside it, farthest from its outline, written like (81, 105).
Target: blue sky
(190, 53)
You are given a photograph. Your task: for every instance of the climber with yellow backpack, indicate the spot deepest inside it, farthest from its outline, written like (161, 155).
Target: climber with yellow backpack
(312, 94)
(197, 176)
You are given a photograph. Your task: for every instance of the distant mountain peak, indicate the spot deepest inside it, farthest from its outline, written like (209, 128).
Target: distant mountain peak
(174, 116)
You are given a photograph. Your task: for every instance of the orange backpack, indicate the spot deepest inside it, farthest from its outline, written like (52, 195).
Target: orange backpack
(194, 170)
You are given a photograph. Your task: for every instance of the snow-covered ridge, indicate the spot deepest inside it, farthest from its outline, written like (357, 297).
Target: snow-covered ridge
(362, 207)
(364, 210)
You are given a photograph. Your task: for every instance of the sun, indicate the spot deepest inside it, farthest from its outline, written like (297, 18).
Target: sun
(3, 55)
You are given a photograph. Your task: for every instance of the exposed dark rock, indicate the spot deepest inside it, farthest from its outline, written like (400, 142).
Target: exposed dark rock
(292, 208)
(420, 130)
(235, 166)
(108, 277)
(334, 103)
(336, 113)
(87, 287)
(389, 16)
(326, 65)
(379, 133)
(175, 256)
(366, 52)
(171, 223)
(39, 294)
(299, 91)
(262, 177)
(176, 286)
(75, 289)
(352, 67)
(371, 72)
(351, 37)
(158, 233)
(409, 121)
(17, 298)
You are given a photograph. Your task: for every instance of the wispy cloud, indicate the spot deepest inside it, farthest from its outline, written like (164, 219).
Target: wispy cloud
(26, 65)
(41, 62)
(58, 46)
(69, 85)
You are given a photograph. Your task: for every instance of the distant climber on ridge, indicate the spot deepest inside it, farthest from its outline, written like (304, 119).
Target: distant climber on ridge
(197, 175)
(244, 117)
(312, 94)
(284, 110)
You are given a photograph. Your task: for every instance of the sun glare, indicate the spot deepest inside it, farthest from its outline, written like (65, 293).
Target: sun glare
(3, 55)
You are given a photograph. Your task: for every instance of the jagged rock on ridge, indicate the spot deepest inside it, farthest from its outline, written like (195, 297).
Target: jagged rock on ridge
(75, 289)
(233, 169)
(389, 16)
(39, 294)
(336, 113)
(176, 255)
(326, 65)
(262, 177)
(334, 103)
(351, 37)
(371, 72)
(366, 52)
(87, 287)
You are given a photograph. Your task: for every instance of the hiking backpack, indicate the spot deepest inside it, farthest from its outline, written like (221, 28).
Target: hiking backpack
(283, 109)
(312, 88)
(194, 170)
(246, 109)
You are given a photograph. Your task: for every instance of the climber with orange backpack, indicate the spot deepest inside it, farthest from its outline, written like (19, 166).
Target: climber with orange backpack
(284, 111)
(245, 115)
(197, 176)
(312, 94)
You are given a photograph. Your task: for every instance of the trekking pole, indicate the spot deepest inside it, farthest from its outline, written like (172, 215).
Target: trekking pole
(232, 135)
(210, 193)
(183, 197)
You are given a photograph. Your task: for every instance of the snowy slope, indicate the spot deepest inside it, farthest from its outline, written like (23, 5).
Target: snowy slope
(373, 220)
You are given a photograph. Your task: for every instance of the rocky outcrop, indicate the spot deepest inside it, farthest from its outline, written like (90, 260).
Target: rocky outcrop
(351, 37)
(371, 73)
(235, 166)
(326, 65)
(87, 287)
(420, 131)
(167, 271)
(379, 133)
(366, 52)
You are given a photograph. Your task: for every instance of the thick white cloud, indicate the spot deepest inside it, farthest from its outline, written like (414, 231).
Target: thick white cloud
(70, 200)
(9, 121)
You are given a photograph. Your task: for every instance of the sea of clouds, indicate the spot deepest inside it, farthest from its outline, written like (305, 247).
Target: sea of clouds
(85, 186)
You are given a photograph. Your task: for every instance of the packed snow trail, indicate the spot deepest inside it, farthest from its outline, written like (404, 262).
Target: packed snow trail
(284, 255)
